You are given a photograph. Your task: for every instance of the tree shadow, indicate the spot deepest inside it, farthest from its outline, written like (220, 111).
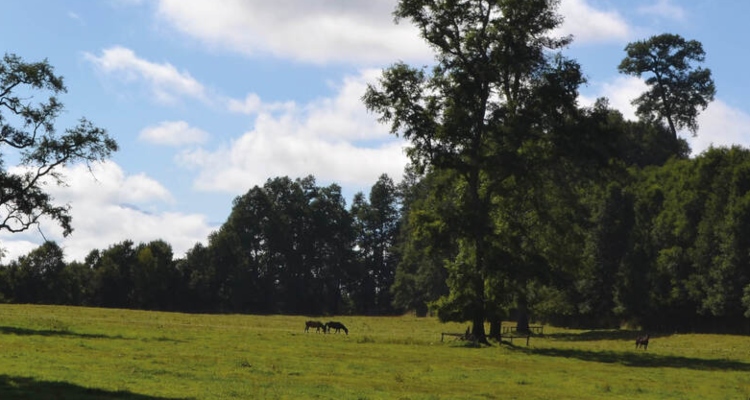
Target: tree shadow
(12, 330)
(14, 387)
(599, 334)
(642, 359)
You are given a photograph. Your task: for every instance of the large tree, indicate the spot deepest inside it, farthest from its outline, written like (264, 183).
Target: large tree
(493, 95)
(28, 133)
(677, 89)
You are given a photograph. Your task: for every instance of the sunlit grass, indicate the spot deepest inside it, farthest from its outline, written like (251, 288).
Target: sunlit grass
(86, 353)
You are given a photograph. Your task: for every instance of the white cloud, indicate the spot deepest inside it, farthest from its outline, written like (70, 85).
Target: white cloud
(334, 139)
(109, 207)
(107, 183)
(76, 17)
(588, 24)
(164, 81)
(15, 245)
(359, 31)
(620, 92)
(252, 104)
(664, 9)
(718, 125)
(173, 133)
(721, 125)
(354, 31)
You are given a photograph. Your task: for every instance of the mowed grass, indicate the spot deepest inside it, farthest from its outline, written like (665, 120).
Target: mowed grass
(86, 353)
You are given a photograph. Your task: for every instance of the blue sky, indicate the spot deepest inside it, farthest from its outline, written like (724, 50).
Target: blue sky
(210, 98)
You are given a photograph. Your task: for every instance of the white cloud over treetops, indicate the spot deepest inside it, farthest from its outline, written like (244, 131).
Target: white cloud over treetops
(109, 207)
(335, 139)
(590, 25)
(719, 125)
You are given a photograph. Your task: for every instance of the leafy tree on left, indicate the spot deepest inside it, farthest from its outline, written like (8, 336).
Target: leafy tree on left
(28, 133)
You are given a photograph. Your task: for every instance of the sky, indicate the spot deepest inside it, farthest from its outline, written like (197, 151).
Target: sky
(208, 99)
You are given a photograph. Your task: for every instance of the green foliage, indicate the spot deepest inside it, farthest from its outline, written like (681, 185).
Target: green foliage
(669, 249)
(28, 131)
(426, 240)
(37, 276)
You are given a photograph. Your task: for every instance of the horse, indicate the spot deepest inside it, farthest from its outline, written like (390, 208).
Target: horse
(641, 341)
(338, 326)
(315, 324)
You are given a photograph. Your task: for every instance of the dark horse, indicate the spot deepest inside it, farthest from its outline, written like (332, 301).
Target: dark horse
(338, 326)
(315, 324)
(641, 341)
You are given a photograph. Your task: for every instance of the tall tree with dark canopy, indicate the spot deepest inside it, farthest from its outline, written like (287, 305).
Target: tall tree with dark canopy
(677, 89)
(376, 225)
(27, 130)
(482, 111)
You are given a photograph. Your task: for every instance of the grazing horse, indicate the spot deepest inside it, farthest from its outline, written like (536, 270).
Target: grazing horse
(642, 341)
(315, 324)
(338, 326)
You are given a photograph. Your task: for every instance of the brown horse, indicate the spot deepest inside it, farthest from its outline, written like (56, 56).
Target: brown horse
(338, 326)
(315, 324)
(641, 341)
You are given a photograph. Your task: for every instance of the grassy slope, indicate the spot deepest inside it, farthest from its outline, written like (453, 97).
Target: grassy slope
(85, 353)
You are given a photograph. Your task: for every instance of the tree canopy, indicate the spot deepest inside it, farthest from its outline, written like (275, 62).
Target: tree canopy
(678, 90)
(28, 132)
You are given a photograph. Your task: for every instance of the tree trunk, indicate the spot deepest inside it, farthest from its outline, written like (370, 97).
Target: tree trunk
(479, 315)
(495, 328)
(522, 322)
(477, 331)
(480, 216)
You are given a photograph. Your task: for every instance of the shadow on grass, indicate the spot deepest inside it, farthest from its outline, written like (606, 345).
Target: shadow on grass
(14, 387)
(597, 335)
(642, 359)
(12, 330)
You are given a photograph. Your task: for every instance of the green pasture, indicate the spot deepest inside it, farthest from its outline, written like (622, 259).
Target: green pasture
(86, 353)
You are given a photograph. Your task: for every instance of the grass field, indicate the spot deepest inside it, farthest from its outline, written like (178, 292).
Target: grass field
(85, 353)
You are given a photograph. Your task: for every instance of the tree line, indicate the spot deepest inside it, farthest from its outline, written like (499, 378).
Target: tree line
(289, 246)
(518, 202)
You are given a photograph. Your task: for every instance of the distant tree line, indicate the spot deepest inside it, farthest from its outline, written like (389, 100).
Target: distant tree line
(289, 246)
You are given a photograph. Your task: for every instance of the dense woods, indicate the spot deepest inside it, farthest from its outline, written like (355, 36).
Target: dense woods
(518, 203)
